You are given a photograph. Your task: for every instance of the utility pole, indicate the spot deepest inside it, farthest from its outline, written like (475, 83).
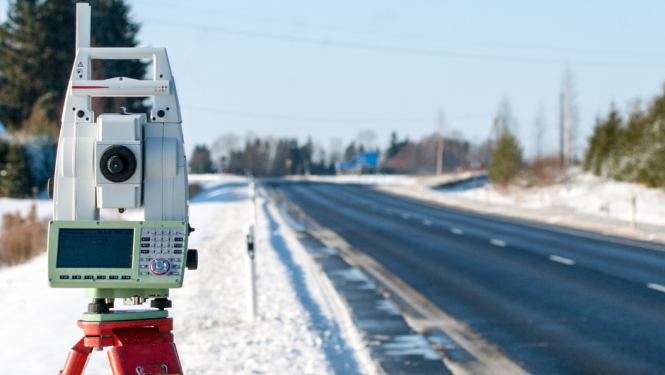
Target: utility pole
(562, 130)
(491, 139)
(439, 153)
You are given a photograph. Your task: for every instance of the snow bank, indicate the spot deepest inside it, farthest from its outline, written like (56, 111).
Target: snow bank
(391, 180)
(582, 193)
(39, 324)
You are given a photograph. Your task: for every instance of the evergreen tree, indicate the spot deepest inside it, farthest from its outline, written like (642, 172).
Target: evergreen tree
(4, 149)
(350, 152)
(603, 141)
(15, 177)
(395, 146)
(200, 161)
(37, 49)
(305, 153)
(506, 159)
(281, 155)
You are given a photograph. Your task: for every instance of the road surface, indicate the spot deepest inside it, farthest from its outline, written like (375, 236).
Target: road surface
(555, 300)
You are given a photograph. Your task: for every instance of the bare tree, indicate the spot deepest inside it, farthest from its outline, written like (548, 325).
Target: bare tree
(250, 137)
(318, 153)
(335, 150)
(570, 114)
(441, 144)
(539, 129)
(222, 148)
(367, 138)
(506, 119)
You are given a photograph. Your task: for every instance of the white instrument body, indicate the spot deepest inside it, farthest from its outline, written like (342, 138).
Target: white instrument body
(159, 184)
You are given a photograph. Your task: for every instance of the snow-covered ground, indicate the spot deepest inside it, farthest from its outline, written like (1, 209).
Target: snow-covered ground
(582, 193)
(295, 332)
(391, 179)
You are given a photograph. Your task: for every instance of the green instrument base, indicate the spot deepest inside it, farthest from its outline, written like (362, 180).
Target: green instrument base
(125, 315)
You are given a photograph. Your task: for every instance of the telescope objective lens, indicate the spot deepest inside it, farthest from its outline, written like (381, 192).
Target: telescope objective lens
(117, 163)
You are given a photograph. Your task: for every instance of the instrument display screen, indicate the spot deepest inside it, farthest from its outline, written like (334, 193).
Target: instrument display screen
(95, 248)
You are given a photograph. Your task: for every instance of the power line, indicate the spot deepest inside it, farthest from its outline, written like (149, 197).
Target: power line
(412, 51)
(399, 36)
(327, 120)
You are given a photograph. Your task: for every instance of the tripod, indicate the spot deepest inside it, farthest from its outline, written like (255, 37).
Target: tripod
(140, 347)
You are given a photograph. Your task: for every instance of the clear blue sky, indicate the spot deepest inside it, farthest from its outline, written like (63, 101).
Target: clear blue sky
(268, 66)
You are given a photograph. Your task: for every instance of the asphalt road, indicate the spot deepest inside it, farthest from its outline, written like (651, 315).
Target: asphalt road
(557, 301)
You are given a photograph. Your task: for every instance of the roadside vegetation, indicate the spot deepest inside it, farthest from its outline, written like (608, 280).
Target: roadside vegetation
(22, 237)
(36, 45)
(630, 148)
(506, 161)
(36, 49)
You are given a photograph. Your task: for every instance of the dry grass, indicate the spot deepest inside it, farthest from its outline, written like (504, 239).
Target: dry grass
(542, 172)
(22, 238)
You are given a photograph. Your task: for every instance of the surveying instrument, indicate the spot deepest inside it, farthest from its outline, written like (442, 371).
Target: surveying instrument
(120, 161)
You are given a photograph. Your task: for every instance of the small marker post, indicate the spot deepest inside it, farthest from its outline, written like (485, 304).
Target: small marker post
(250, 285)
(633, 211)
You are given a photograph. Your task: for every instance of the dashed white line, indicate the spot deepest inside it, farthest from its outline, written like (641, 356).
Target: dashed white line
(457, 231)
(427, 222)
(657, 287)
(498, 242)
(563, 260)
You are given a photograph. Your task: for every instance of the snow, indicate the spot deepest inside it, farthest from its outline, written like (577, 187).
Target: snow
(390, 180)
(297, 331)
(23, 206)
(581, 193)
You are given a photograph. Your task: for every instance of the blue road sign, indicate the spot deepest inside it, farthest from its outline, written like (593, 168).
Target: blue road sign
(366, 159)
(344, 165)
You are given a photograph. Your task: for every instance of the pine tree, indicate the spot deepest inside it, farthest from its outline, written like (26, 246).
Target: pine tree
(603, 141)
(506, 159)
(15, 177)
(37, 49)
(200, 161)
(350, 152)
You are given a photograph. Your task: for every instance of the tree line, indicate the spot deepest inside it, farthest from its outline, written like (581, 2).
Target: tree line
(284, 156)
(36, 57)
(630, 148)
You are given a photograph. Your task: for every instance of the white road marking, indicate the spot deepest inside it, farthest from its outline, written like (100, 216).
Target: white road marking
(405, 216)
(563, 260)
(456, 231)
(427, 222)
(498, 242)
(657, 287)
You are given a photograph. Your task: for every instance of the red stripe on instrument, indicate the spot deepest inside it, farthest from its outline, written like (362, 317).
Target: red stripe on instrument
(89, 87)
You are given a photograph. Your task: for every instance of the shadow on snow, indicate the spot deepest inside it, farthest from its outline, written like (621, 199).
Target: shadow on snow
(222, 192)
(338, 353)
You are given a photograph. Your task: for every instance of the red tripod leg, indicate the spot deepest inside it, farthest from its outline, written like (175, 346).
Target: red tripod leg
(77, 359)
(144, 351)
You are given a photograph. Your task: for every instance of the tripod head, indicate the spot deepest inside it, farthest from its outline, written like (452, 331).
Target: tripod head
(119, 161)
